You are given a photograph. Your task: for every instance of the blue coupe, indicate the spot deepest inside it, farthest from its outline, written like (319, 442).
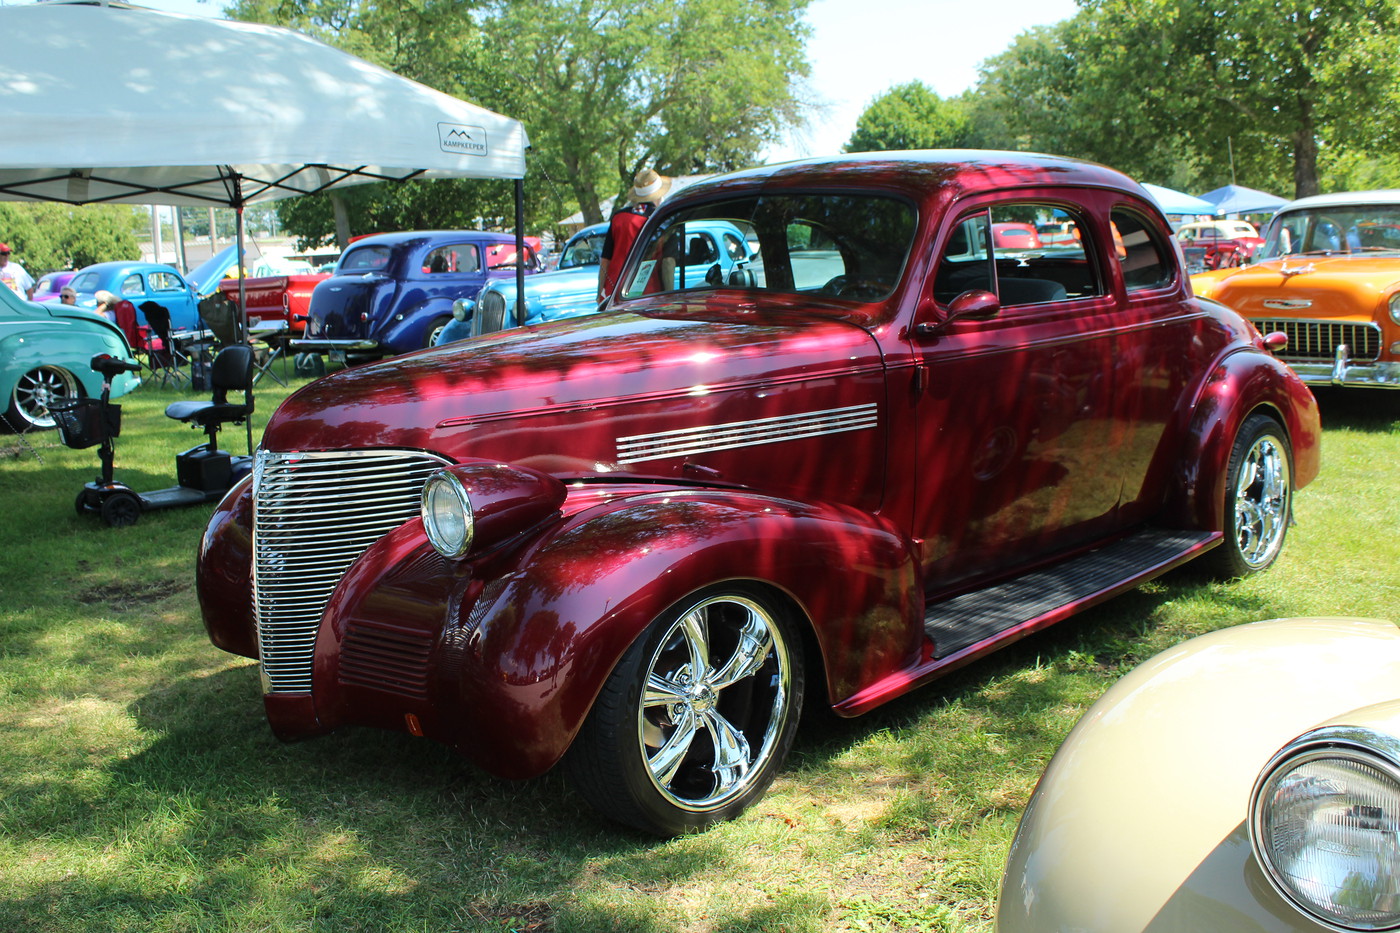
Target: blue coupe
(713, 249)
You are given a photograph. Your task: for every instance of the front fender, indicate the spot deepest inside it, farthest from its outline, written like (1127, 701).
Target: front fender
(1242, 383)
(1138, 823)
(522, 646)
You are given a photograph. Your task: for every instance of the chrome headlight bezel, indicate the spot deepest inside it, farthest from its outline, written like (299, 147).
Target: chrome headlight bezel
(462, 308)
(448, 519)
(1395, 307)
(1347, 748)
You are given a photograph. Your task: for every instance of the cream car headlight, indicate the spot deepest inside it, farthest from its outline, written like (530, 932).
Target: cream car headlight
(447, 514)
(1325, 826)
(1395, 307)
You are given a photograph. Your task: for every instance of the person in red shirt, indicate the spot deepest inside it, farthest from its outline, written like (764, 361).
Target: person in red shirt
(648, 188)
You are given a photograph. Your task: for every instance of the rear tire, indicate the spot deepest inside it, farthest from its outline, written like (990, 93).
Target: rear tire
(34, 396)
(698, 716)
(1258, 499)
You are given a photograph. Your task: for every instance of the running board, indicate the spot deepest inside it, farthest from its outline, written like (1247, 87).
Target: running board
(966, 627)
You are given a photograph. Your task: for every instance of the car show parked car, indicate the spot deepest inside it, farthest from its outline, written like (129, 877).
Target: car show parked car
(570, 288)
(50, 285)
(1246, 780)
(46, 352)
(1226, 242)
(393, 292)
(712, 248)
(139, 282)
(1328, 276)
(635, 543)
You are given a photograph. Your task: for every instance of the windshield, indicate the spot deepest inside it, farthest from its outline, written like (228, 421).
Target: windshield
(585, 251)
(843, 246)
(1348, 229)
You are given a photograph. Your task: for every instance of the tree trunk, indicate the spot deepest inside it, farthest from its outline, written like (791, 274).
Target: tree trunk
(1305, 157)
(342, 221)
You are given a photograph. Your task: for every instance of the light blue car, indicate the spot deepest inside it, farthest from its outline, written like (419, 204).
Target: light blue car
(572, 289)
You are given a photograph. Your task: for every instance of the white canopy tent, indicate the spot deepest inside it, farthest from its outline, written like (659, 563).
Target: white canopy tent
(120, 104)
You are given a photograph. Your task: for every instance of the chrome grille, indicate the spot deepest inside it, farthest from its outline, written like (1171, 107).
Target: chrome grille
(313, 515)
(1318, 340)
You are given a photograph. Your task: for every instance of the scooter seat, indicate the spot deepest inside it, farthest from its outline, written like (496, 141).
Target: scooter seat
(207, 413)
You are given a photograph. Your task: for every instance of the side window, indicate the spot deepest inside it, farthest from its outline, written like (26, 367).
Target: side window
(1027, 253)
(1140, 252)
(815, 258)
(966, 263)
(131, 285)
(165, 282)
(449, 259)
(1040, 254)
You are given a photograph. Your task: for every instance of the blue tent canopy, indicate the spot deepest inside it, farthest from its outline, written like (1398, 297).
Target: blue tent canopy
(1237, 199)
(1178, 202)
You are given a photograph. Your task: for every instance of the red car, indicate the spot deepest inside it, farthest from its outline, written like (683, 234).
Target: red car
(636, 542)
(1227, 243)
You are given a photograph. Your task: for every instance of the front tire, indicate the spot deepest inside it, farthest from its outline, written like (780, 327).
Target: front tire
(1258, 499)
(698, 716)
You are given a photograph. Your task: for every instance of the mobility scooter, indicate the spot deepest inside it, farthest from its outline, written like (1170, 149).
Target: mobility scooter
(203, 473)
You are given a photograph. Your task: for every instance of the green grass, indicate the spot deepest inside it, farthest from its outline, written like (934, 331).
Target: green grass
(140, 789)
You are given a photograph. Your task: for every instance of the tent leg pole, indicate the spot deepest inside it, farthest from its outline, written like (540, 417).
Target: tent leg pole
(520, 251)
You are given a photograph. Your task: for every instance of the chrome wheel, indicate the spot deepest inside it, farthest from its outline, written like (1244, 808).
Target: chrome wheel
(36, 393)
(697, 716)
(703, 742)
(1263, 495)
(1258, 499)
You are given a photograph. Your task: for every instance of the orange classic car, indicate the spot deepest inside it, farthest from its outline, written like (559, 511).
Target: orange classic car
(1328, 276)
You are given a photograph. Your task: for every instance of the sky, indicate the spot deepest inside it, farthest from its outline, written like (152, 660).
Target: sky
(861, 48)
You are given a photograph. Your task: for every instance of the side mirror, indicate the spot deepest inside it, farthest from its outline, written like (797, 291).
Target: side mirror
(971, 305)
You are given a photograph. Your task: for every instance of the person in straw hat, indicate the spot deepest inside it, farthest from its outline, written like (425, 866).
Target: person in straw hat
(648, 188)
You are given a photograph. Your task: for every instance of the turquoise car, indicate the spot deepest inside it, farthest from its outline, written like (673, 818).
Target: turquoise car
(713, 249)
(46, 353)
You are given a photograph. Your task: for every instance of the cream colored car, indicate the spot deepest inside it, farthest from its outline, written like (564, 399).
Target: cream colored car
(1246, 781)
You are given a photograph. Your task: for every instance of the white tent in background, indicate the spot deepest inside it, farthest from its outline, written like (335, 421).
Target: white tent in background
(120, 104)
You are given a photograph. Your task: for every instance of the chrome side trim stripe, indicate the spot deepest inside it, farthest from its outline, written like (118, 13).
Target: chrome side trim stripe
(685, 442)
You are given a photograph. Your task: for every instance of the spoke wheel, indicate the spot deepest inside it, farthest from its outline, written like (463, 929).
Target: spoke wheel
(1258, 499)
(696, 719)
(36, 393)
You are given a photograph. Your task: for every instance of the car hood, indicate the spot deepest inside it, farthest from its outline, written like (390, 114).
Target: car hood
(1312, 284)
(549, 284)
(562, 394)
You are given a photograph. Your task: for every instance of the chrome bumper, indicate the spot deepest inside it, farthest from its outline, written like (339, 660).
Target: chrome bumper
(1343, 372)
(315, 345)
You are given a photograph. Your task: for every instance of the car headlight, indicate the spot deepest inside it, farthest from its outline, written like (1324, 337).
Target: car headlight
(462, 308)
(1395, 307)
(447, 514)
(1325, 826)
(476, 505)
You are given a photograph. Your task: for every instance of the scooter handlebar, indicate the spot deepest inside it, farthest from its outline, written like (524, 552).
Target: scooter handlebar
(109, 365)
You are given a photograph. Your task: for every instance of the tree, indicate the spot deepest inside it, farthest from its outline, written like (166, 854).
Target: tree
(603, 87)
(610, 86)
(911, 116)
(49, 236)
(1202, 86)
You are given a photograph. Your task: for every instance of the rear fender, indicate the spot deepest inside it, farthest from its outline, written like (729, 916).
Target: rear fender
(1243, 383)
(410, 333)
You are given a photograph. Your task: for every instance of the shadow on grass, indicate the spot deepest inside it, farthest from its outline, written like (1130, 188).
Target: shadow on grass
(1369, 410)
(213, 823)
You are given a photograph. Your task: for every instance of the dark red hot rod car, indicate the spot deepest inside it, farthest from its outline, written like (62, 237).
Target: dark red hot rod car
(634, 542)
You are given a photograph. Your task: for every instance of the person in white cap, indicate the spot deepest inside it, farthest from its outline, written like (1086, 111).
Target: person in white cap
(648, 188)
(13, 276)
